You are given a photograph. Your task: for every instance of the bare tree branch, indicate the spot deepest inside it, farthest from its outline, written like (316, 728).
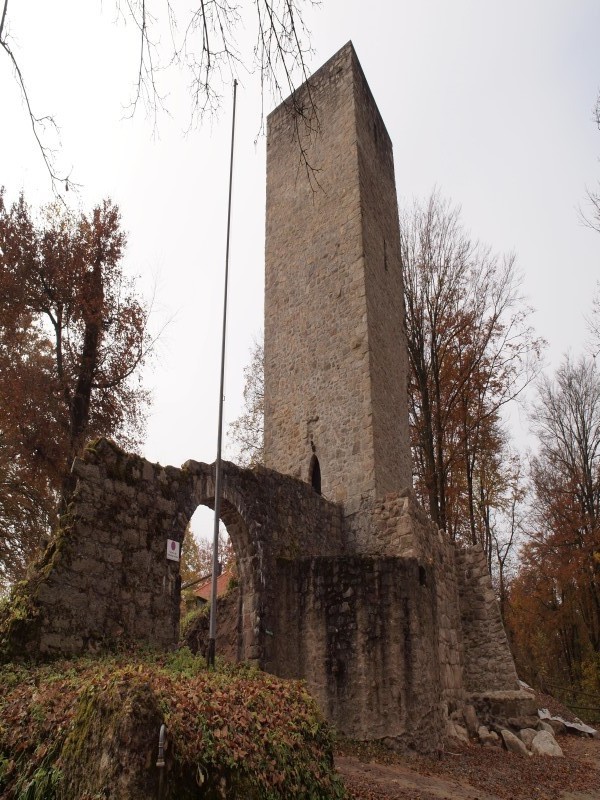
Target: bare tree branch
(38, 124)
(591, 218)
(203, 43)
(3, 18)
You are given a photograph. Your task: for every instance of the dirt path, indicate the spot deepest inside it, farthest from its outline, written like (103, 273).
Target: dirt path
(386, 781)
(371, 772)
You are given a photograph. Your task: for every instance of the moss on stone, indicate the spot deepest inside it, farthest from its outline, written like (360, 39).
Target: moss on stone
(80, 726)
(20, 615)
(189, 620)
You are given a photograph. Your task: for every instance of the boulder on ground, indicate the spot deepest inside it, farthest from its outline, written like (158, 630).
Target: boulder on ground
(558, 727)
(471, 721)
(543, 726)
(512, 743)
(527, 735)
(519, 723)
(575, 726)
(544, 744)
(487, 737)
(456, 732)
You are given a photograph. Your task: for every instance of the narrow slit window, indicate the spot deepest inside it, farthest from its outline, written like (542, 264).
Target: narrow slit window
(315, 474)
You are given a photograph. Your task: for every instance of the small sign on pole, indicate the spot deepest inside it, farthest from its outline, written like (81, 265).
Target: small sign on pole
(172, 550)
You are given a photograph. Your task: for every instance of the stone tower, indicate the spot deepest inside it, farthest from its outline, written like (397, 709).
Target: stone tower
(393, 626)
(335, 360)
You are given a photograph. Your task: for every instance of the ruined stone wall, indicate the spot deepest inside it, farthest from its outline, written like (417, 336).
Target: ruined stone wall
(362, 632)
(229, 618)
(474, 655)
(280, 517)
(390, 626)
(105, 578)
(489, 665)
(327, 290)
(396, 525)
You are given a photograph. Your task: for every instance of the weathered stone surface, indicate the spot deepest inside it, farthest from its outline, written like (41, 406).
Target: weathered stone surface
(545, 726)
(576, 727)
(502, 705)
(488, 738)
(518, 723)
(87, 595)
(367, 658)
(527, 735)
(457, 732)
(544, 744)
(335, 361)
(557, 727)
(228, 641)
(512, 743)
(489, 665)
(390, 623)
(471, 721)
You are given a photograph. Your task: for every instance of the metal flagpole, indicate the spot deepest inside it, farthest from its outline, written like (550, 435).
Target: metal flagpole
(215, 562)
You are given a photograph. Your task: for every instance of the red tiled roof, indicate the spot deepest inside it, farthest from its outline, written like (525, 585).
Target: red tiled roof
(203, 590)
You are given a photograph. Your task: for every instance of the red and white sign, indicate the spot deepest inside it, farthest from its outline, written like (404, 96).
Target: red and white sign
(172, 550)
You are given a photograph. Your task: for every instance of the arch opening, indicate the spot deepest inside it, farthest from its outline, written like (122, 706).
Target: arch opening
(197, 555)
(236, 590)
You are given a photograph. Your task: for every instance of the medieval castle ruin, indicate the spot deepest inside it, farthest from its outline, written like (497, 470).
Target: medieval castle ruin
(344, 581)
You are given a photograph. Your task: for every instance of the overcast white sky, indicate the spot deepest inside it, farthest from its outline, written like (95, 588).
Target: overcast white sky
(491, 101)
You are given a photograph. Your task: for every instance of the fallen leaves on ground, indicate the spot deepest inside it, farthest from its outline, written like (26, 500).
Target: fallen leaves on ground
(492, 771)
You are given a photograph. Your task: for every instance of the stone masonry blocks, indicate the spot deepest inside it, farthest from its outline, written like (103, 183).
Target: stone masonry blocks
(335, 360)
(391, 624)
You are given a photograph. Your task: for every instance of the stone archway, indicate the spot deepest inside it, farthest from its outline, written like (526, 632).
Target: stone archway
(244, 545)
(108, 578)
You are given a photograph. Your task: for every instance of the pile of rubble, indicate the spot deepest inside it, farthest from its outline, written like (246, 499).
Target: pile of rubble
(525, 735)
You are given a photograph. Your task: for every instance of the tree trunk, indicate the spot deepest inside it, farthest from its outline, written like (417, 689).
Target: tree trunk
(80, 402)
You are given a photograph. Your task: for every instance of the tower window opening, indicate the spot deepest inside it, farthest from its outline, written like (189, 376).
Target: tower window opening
(315, 474)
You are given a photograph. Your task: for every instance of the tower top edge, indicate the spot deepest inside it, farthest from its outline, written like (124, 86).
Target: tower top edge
(347, 50)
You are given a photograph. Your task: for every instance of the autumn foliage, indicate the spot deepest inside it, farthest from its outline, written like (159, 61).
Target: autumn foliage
(471, 351)
(555, 599)
(233, 732)
(73, 332)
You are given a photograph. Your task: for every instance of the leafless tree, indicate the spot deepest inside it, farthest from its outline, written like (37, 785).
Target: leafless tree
(471, 351)
(593, 324)
(506, 529)
(203, 42)
(39, 124)
(592, 217)
(566, 482)
(246, 433)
